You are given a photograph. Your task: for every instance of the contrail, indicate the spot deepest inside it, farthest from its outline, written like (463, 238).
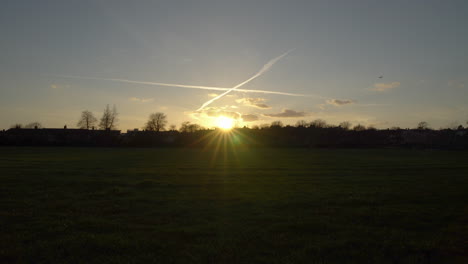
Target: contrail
(180, 85)
(264, 69)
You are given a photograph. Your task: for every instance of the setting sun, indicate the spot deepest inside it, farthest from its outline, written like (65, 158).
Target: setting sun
(225, 123)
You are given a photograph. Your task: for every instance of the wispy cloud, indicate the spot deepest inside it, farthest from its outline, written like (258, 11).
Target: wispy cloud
(254, 102)
(249, 118)
(287, 113)
(59, 86)
(382, 87)
(140, 100)
(455, 83)
(338, 102)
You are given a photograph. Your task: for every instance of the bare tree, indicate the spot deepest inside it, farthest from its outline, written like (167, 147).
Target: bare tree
(172, 127)
(301, 123)
(157, 122)
(108, 119)
(276, 124)
(345, 125)
(87, 120)
(33, 125)
(184, 126)
(454, 125)
(359, 127)
(318, 123)
(422, 125)
(188, 127)
(17, 126)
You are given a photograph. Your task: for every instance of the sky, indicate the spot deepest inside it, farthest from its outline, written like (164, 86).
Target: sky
(59, 58)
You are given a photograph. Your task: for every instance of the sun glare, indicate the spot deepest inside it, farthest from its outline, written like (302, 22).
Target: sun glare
(225, 123)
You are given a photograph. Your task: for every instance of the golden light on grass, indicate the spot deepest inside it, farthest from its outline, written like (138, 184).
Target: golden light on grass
(225, 123)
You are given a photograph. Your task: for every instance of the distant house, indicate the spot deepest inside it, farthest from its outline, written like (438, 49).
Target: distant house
(59, 136)
(278, 137)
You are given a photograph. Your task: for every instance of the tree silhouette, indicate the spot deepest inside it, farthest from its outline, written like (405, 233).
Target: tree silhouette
(319, 135)
(33, 125)
(108, 119)
(359, 127)
(301, 123)
(87, 120)
(423, 125)
(345, 125)
(276, 124)
(157, 122)
(189, 127)
(318, 123)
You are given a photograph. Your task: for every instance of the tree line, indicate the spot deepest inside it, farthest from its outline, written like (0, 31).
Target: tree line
(108, 121)
(158, 121)
(314, 134)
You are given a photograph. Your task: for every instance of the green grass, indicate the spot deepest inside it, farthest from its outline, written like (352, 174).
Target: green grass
(91, 205)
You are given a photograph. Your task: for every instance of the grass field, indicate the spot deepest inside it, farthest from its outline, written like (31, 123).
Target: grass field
(90, 205)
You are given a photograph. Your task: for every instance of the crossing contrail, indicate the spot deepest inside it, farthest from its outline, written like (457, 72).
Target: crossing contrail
(180, 85)
(264, 69)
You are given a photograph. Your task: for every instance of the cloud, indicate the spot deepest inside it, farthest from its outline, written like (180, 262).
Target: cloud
(454, 83)
(216, 112)
(382, 87)
(209, 116)
(230, 114)
(287, 113)
(249, 118)
(140, 100)
(59, 86)
(338, 102)
(215, 94)
(254, 102)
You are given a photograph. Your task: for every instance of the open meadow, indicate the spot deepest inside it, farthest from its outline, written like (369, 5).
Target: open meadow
(106, 205)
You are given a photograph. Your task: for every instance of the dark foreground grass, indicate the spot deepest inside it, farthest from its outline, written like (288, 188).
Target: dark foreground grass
(80, 205)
